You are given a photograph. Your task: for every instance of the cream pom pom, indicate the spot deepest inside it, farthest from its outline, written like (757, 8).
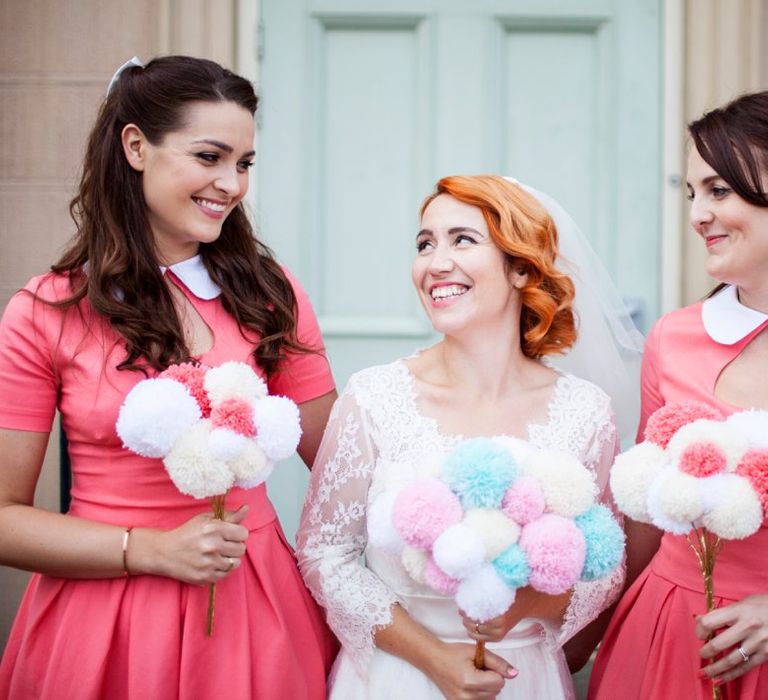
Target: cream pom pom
(278, 426)
(414, 562)
(252, 467)
(631, 477)
(381, 530)
(718, 433)
(226, 444)
(459, 551)
(192, 467)
(738, 514)
(753, 425)
(233, 380)
(496, 530)
(659, 517)
(484, 595)
(680, 498)
(569, 487)
(155, 413)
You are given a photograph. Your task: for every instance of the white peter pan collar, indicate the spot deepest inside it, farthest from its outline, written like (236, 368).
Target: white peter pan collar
(195, 277)
(726, 319)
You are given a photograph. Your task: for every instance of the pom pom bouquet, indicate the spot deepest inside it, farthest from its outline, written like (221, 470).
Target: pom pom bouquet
(698, 474)
(494, 515)
(214, 428)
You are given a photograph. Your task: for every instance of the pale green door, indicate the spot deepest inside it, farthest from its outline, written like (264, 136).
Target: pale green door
(366, 103)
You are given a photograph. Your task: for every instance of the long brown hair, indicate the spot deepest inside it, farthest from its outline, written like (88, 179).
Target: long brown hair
(123, 282)
(524, 231)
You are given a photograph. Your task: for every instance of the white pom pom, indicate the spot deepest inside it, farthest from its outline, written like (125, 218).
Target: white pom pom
(680, 498)
(496, 530)
(521, 450)
(414, 562)
(569, 487)
(753, 425)
(631, 477)
(192, 467)
(278, 426)
(233, 380)
(381, 532)
(226, 444)
(430, 466)
(484, 595)
(252, 467)
(459, 551)
(738, 514)
(659, 517)
(728, 439)
(154, 415)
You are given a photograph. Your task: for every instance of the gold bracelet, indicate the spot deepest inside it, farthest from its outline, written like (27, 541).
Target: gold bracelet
(126, 535)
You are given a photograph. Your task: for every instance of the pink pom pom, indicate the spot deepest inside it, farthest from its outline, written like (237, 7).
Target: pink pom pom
(754, 467)
(523, 502)
(235, 414)
(667, 420)
(191, 376)
(438, 580)
(423, 510)
(556, 549)
(702, 459)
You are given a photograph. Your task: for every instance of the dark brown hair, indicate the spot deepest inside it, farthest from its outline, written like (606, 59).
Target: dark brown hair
(523, 229)
(733, 140)
(123, 282)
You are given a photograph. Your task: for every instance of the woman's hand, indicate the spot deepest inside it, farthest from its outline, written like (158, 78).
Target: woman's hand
(528, 603)
(202, 550)
(743, 628)
(452, 669)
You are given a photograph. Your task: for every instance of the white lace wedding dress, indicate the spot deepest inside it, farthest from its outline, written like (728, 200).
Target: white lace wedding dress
(374, 436)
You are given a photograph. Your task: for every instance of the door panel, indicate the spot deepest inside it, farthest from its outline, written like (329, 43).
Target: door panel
(366, 103)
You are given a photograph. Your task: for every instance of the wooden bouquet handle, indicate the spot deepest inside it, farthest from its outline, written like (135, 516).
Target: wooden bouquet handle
(480, 656)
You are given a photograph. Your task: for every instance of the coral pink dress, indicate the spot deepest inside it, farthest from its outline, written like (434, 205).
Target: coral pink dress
(650, 650)
(144, 636)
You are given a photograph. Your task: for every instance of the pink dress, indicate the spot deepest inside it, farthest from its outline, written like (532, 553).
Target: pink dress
(650, 650)
(144, 636)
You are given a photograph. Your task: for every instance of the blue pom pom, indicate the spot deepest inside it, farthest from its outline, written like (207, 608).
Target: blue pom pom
(512, 566)
(479, 471)
(605, 542)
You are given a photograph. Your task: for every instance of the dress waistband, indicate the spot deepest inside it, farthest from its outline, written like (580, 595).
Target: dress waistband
(739, 567)
(171, 515)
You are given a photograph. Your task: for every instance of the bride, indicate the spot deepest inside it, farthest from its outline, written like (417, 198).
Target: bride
(486, 274)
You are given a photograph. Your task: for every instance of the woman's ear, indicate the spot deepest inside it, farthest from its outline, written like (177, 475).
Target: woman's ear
(518, 275)
(134, 146)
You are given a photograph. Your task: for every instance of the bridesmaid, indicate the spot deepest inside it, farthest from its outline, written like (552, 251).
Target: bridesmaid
(653, 646)
(163, 269)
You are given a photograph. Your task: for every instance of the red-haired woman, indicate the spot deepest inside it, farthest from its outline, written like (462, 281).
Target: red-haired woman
(486, 273)
(164, 269)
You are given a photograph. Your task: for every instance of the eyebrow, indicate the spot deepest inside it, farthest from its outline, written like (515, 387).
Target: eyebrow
(452, 231)
(223, 146)
(706, 180)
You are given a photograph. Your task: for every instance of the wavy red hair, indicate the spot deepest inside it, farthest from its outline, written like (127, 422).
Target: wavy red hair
(523, 229)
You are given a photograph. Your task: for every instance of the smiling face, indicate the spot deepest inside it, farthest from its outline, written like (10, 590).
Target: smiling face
(734, 231)
(194, 177)
(461, 276)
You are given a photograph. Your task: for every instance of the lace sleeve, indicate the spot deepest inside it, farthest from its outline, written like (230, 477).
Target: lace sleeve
(590, 598)
(332, 534)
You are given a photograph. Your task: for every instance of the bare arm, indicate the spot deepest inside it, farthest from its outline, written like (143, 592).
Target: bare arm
(314, 416)
(63, 545)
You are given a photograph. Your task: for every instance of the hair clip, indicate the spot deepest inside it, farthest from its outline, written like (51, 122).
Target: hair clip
(135, 61)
